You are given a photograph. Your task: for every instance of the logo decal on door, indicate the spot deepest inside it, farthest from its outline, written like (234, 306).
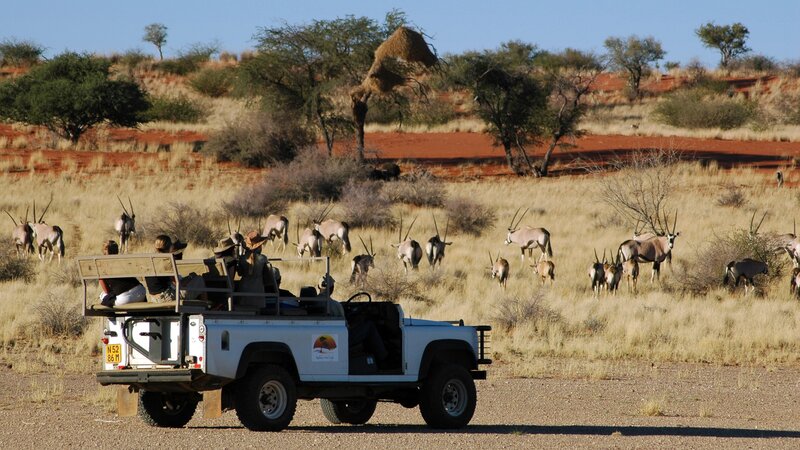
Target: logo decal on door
(324, 348)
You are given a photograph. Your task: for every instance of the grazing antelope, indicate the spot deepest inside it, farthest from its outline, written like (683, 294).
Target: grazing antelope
(125, 225)
(48, 238)
(435, 247)
(545, 270)
(22, 235)
(529, 238)
(630, 269)
(277, 227)
(237, 237)
(654, 250)
(612, 272)
(362, 263)
(597, 274)
(747, 268)
(408, 250)
(333, 229)
(310, 240)
(500, 269)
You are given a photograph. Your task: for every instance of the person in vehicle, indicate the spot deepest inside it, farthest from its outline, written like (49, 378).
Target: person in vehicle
(162, 289)
(226, 251)
(119, 291)
(252, 268)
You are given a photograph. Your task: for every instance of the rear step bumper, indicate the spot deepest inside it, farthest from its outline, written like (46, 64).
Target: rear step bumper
(107, 377)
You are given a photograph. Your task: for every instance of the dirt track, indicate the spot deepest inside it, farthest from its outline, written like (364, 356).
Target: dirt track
(703, 406)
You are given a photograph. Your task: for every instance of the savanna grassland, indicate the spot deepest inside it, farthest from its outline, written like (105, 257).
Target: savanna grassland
(533, 325)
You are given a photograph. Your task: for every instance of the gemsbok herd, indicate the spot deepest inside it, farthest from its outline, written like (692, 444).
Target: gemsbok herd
(653, 247)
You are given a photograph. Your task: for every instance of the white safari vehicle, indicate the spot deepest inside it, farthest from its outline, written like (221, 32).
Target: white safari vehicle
(259, 354)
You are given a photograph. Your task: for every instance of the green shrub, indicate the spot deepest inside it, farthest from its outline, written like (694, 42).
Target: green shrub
(697, 108)
(188, 61)
(259, 141)
(213, 82)
(133, 58)
(13, 267)
(19, 53)
(754, 63)
(175, 109)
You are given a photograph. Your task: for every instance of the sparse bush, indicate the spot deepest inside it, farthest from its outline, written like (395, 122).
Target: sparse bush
(66, 274)
(436, 111)
(12, 267)
(392, 284)
(259, 141)
(213, 82)
(19, 53)
(57, 316)
(256, 200)
(133, 58)
(754, 63)
(418, 188)
(365, 206)
(175, 109)
(515, 311)
(671, 65)
(188, 61)
(186, 222)
(696, 108)
(732, 197)
(469, 216)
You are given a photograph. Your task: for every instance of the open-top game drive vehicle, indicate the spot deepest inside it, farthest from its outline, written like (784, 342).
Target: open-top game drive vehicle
(259, 354)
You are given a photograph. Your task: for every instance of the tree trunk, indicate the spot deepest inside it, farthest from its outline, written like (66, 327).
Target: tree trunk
(548, 154)
(160, 54)
(359, 104)
(512, 164)
(326, 134)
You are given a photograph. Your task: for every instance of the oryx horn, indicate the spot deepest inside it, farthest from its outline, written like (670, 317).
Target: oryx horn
(41, 218)
(447, 225)
(124, 209)
(596, 259)
(434, 224)
(409, 229)
(511, 225)
(131, 203)
(364, 244)
(9, 216)
(491, 260)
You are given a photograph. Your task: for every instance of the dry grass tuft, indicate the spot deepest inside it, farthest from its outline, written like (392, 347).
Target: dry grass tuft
(652, 408)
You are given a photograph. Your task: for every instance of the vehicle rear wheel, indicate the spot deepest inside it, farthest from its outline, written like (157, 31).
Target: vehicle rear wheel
(448, 397)
(266, 399)
(354, 412)
(161, 409)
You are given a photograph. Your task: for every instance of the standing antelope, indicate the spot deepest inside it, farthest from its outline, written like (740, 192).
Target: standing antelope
(333, 229)
(654, 250)
(529, 238)
(545, 270)
(630, 269)
(613, 273)
(747, 268)
(500, 269)
(48, 238)
(22, 235)
(310, 240)
(435, 247)
(277, 227)
(779, 178)
(790, 243)
(408, 250)
(362, 263)
(597, 274)
(125, 225)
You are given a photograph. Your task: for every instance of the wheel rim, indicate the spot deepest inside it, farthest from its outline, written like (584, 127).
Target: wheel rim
(272, 399)
(454, 397)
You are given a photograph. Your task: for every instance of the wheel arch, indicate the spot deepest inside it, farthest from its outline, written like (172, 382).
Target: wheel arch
(257, 353)
(447, 351)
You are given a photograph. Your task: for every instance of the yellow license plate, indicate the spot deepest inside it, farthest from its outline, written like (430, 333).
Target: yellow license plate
(114, 353)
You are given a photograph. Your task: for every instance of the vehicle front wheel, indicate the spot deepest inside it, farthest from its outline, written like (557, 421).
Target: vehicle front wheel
(448, 397)
(266, 399)
(354, 412)
(160, 409)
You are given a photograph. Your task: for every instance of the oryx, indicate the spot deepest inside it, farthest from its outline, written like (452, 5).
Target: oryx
(794, 282)
(436, 245)
(48, 238)
(237, 237)
(310, 240)
(362, 263)
(125, 225)
(333, 229)
(630, 269)
(529, 238)
(654, 250)
(597, 274)
(545, 270)
(500, 269)
(790, 243)
(408, 250)
(613, 273)
(22, 235)
(747, 268)
(277, 227)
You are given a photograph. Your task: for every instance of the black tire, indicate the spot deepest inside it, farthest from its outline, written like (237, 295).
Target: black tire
(169, 410)
(266, 399)
(353, 412)
(448, 397)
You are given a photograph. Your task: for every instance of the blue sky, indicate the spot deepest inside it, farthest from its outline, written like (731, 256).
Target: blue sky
(106, 26)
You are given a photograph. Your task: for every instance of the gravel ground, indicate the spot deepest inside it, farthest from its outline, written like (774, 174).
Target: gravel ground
(701, 407)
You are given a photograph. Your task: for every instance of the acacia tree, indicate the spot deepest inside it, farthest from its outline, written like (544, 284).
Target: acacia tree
(730, 40)
(70, 94)
(509, 99)
(156, 34)
(305, 68)
(634, 56)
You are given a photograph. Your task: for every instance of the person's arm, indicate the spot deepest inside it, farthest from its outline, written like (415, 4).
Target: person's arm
(103, 286)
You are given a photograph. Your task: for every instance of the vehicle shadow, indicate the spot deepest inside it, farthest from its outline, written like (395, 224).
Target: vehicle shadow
(587, 430)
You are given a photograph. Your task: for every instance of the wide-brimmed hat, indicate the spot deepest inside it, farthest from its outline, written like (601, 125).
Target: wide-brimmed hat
(254, 239)
(224, 245)
(177, 247)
